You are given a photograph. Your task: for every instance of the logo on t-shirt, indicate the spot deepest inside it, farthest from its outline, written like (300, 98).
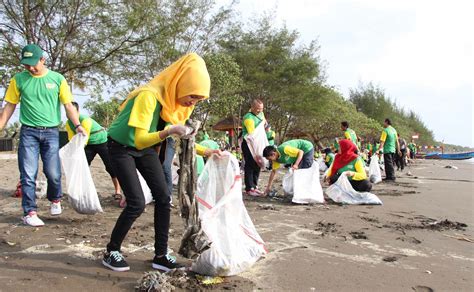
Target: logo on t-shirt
(50, 85)
(27, 54)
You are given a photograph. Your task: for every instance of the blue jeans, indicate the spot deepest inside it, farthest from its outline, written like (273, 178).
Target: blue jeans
(35, 142)
(169, 155)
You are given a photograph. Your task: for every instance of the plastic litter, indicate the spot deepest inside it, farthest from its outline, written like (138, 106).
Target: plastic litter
(343, 192)
(375, 175)
(304, 185)
(146, 190)
(257, 141)
(80, 186)
(235, 243)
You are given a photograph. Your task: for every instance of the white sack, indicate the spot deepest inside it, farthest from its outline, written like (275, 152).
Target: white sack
(375, 175)
(257, 141)
(343, 192)
(304, 185)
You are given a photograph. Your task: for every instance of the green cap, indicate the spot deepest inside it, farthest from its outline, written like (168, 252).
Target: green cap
(31, 54)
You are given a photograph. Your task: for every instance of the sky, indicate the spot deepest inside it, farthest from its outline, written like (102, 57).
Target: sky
(420, 52)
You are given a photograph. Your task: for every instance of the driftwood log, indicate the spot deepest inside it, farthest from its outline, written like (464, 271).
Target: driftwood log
(194, 240)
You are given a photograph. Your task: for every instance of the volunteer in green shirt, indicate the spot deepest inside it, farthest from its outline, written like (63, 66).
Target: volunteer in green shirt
(389, 145)
(299, 153)
(171, 95)
(328, 157)
(270, 135)
(412, 147)
(200, 161)
(349, 134)
(96, 144)
(41, 93)
(250, 121)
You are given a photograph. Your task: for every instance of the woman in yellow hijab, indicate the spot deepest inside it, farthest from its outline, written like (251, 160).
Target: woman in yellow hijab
(171, 95)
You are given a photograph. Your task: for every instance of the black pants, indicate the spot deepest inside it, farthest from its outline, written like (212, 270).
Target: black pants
(388, 161)
(251, 168)
(307, 160)
(103, 151)
(400, 160)
(361, 185)
(126, 161)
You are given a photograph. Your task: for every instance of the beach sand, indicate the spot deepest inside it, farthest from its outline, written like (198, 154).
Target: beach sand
(400, 246)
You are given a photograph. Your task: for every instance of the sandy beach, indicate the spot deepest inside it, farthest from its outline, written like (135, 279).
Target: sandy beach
(404, 245)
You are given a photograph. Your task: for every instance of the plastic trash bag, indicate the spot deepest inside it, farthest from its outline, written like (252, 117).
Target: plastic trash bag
(375, 175)
(304, 185)
(343, 192)
(80, 186)
(235, 243)
(257, 141)
(322, 165)
(41, 187)
(146, 190)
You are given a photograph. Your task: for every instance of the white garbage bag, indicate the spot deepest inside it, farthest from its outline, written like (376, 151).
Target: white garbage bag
(235, 243)
(322, 165)
(146, 190)
(375, 175)
(257, 141)
(304, 185)
(343, 192)
(80, 186)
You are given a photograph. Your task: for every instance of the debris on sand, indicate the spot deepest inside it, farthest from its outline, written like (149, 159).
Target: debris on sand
(422, 289)
(266, 207)
(451, 166)
(429, 224)
(358, 235)
(390, 259)
(326, 227)
(409, 239)
(162, 282)
(369, 219)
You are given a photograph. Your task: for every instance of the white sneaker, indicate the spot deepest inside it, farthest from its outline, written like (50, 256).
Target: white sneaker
(56, 208)
(32, 219)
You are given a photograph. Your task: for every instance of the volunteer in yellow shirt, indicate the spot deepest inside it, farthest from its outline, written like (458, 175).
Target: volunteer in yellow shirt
(171, 95)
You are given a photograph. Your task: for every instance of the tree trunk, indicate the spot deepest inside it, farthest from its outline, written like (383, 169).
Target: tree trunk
(194, 241)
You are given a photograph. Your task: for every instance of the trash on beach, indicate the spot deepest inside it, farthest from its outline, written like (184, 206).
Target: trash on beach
(460, 237)
(235, 243)
(206, 280)
(41, 187)
(146, 190)
(451, 166)
(80, 186)
(343, 192)
(304, 185)
(162, 282)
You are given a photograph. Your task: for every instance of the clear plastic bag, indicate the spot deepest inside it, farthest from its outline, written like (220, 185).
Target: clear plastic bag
(235, 243)
(343, 192)
(146, 190)
(322, 165)
(375, 175)
(257, 141)
(80, 186)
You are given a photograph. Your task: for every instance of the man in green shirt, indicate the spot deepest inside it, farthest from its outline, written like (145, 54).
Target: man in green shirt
(299, 153)
(250, 121)
(96, 144)
(349, 134)
(41, 93)
(412, 147)
(389, 145)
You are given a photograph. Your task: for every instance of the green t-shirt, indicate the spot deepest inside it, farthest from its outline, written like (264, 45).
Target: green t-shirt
(98, 134)
(351, 135)
(329, 159)
(350, 166)
(389, 135)
(257, 119)
(40, 97)
(287, 153)
(211, 144)
(124, 134)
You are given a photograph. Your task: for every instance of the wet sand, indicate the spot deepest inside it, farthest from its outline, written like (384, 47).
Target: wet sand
(403, 245)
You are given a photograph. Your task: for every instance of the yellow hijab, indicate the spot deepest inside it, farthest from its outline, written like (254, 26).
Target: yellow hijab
(187, 76)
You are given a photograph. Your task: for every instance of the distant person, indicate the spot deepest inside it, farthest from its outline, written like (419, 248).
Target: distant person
(412, 147)
(388, 146)
(270, 135)
(96, 144)
(349, 134)
(41, 93)
(328, 157)
(250, 121)
(348, 163)
(299, 153)
(401, 159)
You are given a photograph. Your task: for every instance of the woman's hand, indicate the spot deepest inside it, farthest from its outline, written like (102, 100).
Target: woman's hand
(349, 173)
(208, 152)
(178, 130)
(294, 166)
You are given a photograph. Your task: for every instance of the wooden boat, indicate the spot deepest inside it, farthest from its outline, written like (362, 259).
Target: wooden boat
(450, 156)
